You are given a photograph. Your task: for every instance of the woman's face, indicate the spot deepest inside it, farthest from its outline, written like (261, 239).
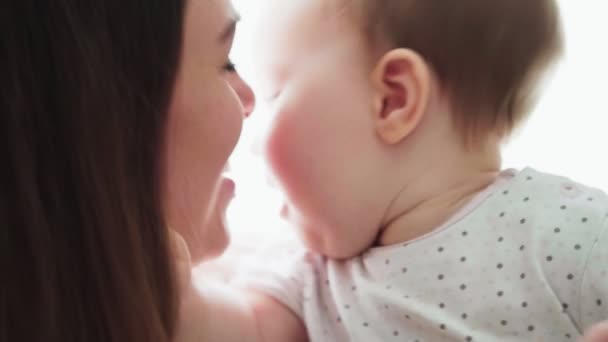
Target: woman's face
(205, 118)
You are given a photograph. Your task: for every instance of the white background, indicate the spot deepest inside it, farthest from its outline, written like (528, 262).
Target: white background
(565, 135)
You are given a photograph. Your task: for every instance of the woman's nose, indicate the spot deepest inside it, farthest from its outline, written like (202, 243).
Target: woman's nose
(245, 94)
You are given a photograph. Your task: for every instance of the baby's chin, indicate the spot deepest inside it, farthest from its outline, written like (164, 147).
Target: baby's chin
(320, 238)
(333, 249)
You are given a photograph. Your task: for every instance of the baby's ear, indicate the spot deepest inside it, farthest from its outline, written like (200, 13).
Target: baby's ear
(402, 81)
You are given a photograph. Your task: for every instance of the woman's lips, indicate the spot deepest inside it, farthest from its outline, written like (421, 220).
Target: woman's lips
(227, 188)
(227, 185)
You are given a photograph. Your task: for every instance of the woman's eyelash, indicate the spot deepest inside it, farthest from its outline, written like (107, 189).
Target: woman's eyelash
(230, 66)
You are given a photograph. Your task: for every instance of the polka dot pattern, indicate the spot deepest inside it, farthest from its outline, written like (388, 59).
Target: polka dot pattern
(527, 260)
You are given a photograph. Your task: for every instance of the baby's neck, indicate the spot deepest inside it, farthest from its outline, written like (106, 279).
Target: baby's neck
(430, 195)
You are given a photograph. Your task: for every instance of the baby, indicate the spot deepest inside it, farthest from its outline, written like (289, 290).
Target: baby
(388, 118)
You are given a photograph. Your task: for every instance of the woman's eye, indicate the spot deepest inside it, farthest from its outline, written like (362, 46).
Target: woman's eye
(230, 67)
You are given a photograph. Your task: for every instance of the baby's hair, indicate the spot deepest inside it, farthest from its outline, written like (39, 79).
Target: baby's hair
(489, 56)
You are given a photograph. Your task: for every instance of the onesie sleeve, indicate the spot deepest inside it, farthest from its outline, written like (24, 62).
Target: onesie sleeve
(593, 306)
(281, 277)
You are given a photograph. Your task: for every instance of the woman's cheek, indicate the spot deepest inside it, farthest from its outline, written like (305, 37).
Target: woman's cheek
(223, 125)
(204, 127)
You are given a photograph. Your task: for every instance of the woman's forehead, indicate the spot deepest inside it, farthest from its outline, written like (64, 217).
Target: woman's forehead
(209, 17)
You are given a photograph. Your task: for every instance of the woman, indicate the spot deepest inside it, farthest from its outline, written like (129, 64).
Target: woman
(117, 118)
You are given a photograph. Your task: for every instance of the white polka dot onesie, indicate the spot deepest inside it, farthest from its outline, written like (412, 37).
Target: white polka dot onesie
(526, 260)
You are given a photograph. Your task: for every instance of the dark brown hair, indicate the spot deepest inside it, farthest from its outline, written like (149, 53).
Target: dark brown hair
(85, 91)
(488, 55)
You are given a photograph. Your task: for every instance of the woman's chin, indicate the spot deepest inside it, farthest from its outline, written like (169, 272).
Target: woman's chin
(213, 247)
(217, 250)
(214, 237)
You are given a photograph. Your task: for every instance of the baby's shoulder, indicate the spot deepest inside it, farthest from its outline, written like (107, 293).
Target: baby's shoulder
(569, 238)
(548, 197)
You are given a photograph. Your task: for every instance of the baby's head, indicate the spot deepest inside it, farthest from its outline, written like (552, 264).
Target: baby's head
(366, 93)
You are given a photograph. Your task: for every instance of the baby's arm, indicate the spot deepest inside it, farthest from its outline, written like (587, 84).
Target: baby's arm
(222, 314)
(598, 333)
(288, 326)
(225, 315)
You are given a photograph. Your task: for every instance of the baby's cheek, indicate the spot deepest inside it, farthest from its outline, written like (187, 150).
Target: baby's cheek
(282, 149)
(293, 158)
